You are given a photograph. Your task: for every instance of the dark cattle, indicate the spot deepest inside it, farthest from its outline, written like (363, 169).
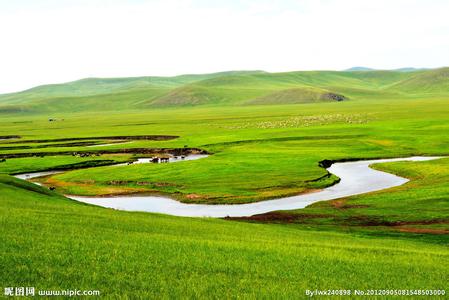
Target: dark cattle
(130, 163)
(155, 160)
(182, 157)
(3, 160)
(164, 159)
(52, 188)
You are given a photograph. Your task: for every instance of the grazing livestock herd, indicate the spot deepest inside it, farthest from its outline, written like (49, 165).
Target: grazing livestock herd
(85, 154)
(154, 159)
(157, 159)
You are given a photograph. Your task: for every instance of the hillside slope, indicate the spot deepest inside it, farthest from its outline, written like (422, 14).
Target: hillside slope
(298, 95)
(278, 88)
(432, 81)
(225, 88)
(99, 93)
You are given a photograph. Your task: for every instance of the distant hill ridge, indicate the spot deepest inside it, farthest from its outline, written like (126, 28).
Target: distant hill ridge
(227, 88)
(406, 69)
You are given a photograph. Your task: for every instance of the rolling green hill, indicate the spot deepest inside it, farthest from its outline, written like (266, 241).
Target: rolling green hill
(359, 68)
(298, 95)
(434, 81)
(406, 69)
(97, 86)
(225, 88)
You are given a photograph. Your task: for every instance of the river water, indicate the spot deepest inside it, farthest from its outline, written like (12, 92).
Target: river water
(356, 178)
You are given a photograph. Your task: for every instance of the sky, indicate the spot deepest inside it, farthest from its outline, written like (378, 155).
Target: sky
(53, 41)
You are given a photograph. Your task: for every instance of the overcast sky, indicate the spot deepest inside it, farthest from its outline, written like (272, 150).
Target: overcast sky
(51, 41)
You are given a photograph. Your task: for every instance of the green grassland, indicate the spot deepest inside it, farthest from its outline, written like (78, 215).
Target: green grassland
(51, 243)
(258, 153)
(58, 162)
(266, 133)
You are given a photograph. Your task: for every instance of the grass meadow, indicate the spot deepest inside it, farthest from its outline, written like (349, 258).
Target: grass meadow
(392, 239)
(50, 242)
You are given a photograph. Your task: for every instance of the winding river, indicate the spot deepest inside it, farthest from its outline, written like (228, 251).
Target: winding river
(356, 178)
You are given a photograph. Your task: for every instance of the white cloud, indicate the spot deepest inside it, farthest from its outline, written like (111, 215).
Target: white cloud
(58, 41)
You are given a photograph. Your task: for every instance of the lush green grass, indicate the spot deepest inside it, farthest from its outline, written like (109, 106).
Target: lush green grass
(52, 243)
(258, 152)
(33, 164)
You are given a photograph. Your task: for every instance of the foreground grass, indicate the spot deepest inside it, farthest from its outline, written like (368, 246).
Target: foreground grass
(53, 243)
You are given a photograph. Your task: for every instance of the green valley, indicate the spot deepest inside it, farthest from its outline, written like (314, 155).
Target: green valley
(265, 134)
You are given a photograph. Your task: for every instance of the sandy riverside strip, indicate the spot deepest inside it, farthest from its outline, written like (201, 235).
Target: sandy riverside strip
(356, 178)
